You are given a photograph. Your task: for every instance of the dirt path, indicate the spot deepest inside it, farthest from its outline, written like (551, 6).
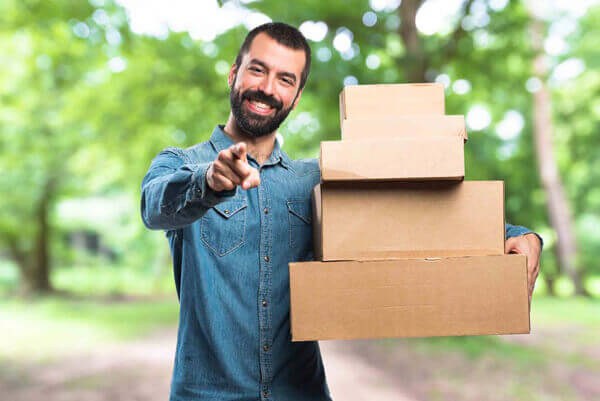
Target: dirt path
(141, 370)
(356, 371)
(354, 378)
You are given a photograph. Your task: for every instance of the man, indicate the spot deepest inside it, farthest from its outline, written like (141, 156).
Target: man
(237, 211)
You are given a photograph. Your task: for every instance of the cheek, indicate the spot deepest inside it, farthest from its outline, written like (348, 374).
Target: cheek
(288, 97)
(248, 81)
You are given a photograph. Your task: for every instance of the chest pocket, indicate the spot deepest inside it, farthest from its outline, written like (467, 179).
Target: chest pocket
(300, 219)
(223, 227)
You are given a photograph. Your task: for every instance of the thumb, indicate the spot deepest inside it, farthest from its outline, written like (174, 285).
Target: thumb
(239, 150)
(510, 245)
(252, 180)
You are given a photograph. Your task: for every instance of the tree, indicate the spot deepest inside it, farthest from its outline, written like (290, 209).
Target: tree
(558, 209)
(47, 53)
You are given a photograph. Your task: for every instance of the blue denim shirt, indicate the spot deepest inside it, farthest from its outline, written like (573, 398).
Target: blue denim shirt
(231, 252)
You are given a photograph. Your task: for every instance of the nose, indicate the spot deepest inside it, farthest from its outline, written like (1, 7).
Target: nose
(267, 85)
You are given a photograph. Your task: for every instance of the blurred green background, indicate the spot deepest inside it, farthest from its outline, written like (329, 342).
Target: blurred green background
(91, 91)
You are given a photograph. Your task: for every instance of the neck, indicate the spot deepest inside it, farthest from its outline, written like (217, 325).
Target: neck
(260, 148)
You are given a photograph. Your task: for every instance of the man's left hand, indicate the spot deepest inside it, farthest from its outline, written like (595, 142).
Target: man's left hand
(527, 244)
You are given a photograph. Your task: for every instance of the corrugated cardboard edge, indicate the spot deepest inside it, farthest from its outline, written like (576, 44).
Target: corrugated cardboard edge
(317, 225)
(427, 254)
(463, 132)
(342, 108)
(503, 212)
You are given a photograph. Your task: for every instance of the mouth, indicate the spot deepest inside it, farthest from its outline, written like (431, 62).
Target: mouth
(258, 107)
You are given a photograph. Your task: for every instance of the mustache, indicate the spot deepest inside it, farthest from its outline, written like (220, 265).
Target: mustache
(260, 96)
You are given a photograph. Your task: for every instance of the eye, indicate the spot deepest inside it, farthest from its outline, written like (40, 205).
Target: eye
(287, 81)
(256, 69)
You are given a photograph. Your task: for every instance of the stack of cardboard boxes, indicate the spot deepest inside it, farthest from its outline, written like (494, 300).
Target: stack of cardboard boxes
(404, 246)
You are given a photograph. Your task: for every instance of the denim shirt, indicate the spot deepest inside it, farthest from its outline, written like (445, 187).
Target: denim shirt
(231, 251)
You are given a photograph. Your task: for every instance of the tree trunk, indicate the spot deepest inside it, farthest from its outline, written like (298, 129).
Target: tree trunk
(558, 209)
(549, 280)
(414, 63)
(35, 265)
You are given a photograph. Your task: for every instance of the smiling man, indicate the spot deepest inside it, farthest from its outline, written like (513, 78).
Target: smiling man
(236, 210)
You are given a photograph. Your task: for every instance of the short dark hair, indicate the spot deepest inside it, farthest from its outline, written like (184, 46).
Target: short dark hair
(284, 34)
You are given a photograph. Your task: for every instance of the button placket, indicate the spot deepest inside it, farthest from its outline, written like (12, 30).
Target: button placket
(264, 290)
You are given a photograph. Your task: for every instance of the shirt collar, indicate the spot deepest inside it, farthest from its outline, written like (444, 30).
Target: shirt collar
(220, 140)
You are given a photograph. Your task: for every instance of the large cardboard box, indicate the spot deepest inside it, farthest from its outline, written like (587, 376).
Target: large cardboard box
(473, 295)
(398, 159)
(404, 126)
(377, 220)
(388, 100)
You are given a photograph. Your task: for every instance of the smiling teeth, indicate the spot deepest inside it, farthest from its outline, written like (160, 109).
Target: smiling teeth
(261, 105)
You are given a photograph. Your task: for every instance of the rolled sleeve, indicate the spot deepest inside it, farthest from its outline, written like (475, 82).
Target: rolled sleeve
(515, 231)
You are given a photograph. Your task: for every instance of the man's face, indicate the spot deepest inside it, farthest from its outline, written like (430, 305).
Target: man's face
(264, 88)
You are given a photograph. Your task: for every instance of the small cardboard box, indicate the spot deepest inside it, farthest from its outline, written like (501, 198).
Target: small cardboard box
(401, 126)
(362, 221)
(475, 295)
(398, 159)
(387, 100)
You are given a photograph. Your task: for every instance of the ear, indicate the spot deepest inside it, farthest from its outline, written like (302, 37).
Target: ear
(297, 99)
(231, 76)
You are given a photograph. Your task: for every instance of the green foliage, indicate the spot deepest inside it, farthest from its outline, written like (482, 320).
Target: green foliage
(86, 105)
(74, 325)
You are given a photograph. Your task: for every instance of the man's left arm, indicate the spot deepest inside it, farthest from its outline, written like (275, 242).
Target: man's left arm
(522, 240)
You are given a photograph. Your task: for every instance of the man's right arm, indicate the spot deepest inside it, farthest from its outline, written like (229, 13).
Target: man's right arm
(176, 192)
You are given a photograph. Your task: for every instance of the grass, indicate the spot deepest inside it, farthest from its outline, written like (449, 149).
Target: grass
(49, 327)
(550, 312)
(98, 279)
(578, 317)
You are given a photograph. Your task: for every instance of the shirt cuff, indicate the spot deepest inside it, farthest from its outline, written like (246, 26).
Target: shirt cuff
(516, 231)
(204, 194)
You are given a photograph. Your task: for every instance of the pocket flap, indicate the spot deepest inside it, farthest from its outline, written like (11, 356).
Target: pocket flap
(230, 207)
(301, 208)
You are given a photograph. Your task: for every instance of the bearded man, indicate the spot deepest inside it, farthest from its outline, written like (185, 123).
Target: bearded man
(237, 210)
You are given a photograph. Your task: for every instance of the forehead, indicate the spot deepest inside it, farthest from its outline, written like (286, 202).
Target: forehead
(276, 55)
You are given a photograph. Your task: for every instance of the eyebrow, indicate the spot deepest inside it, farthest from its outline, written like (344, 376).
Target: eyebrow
(284, 73)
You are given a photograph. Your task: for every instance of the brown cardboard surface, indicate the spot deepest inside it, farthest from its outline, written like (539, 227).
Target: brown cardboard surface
(316, 226)
(403, 126)
(476, 295)
(391, 100)
(361, 221)
(393, 159)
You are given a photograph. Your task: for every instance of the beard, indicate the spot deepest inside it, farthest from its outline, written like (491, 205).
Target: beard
(251, 123)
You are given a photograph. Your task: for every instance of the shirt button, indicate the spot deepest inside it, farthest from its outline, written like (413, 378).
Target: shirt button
(266, 259)
(266, 394)
(226, 211)
(266, 210)
(264, 303)
(266, 347)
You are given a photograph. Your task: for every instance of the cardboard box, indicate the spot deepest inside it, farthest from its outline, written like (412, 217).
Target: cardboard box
(474, 295)
(399, 159)
(400, 126)
(389, 100)
(376, 220)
